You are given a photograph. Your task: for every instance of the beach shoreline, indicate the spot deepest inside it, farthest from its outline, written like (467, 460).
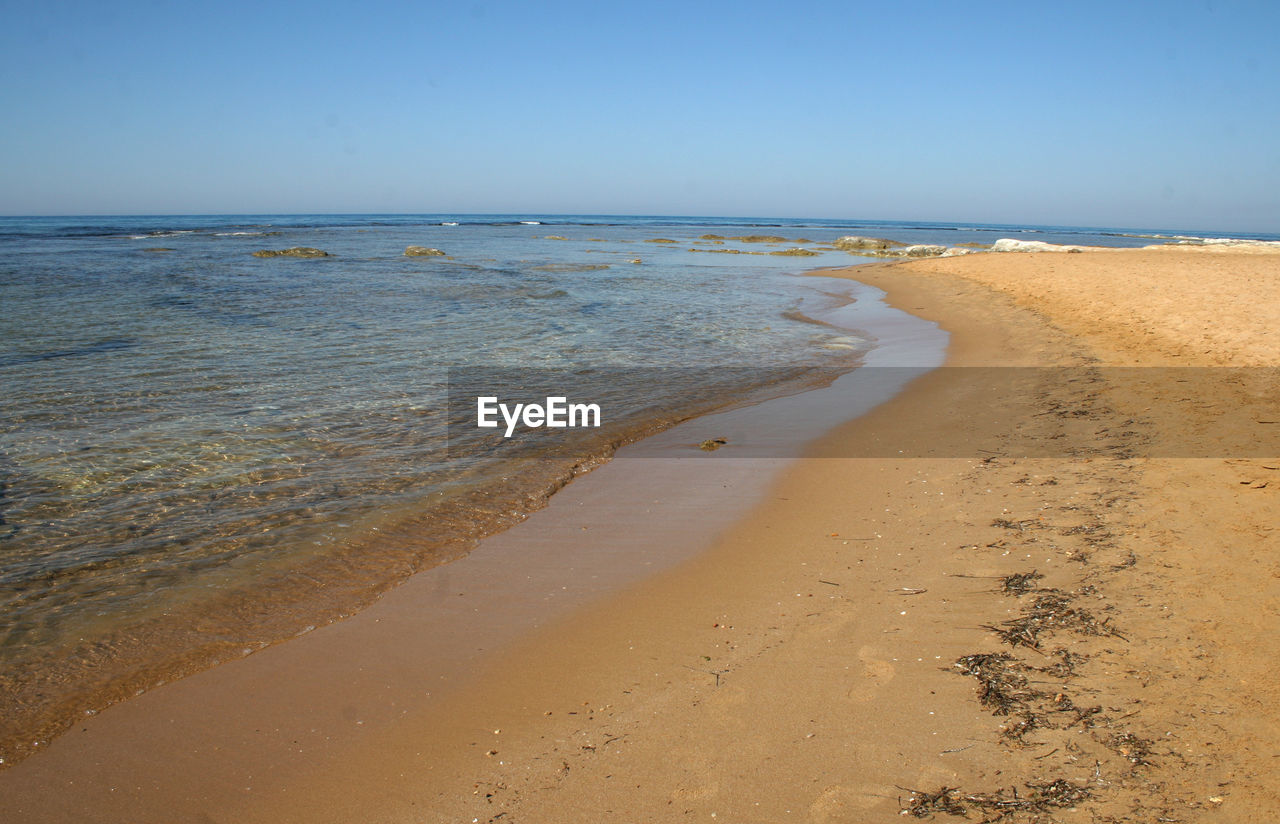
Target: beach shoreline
(804, 665)
(767, 427)
(522, 577)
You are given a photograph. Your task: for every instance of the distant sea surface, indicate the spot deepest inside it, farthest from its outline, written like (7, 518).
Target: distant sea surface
(202, 452)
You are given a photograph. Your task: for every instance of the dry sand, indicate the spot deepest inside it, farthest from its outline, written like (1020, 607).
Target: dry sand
(804, 667)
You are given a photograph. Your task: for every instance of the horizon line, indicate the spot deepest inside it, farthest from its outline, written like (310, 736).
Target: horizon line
(934, 223)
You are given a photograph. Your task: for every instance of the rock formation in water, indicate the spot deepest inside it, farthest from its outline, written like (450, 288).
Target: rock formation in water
(923, 250)
(1006, 244)
(296, 251)
(851, 243)
(759, 239)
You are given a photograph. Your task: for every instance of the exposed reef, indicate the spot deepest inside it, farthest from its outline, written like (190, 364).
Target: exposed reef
(296, 251)
(759, 239)
(852, 243)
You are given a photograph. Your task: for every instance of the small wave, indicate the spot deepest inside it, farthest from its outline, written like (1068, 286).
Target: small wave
(163, 233)
(1143, 235)
(1231, 241)
(449, 223)
(531, 223)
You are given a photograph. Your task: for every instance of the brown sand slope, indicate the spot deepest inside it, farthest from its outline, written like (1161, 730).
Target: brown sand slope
(861, 635)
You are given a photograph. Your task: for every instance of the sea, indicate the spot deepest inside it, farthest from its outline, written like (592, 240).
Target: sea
(203, 451)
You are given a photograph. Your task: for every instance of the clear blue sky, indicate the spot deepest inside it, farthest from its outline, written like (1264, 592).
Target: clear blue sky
(1162, 115)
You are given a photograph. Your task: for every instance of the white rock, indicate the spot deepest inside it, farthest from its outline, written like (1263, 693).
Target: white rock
(1008, 244)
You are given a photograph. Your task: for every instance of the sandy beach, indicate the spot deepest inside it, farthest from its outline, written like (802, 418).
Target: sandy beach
(1074, 638)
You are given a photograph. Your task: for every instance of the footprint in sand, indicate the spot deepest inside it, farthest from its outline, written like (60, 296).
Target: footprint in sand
(876, 673)
(841, 803)
(728, 703)
(698, 786)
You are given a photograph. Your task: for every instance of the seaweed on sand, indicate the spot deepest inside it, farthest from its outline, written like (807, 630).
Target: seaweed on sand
(1137, 750)
(1021, 526)
(1065, 666)
(1002, 687)
(1021, 583)
(1051, 611)
(925, 804)
(1040, 798)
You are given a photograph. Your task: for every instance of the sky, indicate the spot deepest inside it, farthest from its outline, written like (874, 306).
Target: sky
(1128, 114)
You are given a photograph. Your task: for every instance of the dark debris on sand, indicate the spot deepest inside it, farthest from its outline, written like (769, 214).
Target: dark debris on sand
(1051, 611)
(1000, 805)
(1021, 583)
(1005, 689)
(1033, 685)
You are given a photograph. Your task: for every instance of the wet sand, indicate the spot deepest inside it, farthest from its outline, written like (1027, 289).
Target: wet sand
(804, 666)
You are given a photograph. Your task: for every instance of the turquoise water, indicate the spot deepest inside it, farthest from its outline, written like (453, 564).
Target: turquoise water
(202, 451)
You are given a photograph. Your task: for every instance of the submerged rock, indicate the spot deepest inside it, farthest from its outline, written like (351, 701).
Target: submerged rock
(157, 249)
(710, 237)
(555, 237)
(571, 267)
(850, 243)
(795, 252)
(759, 239)
(296, 251)
(422, 251)
(659, 240)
